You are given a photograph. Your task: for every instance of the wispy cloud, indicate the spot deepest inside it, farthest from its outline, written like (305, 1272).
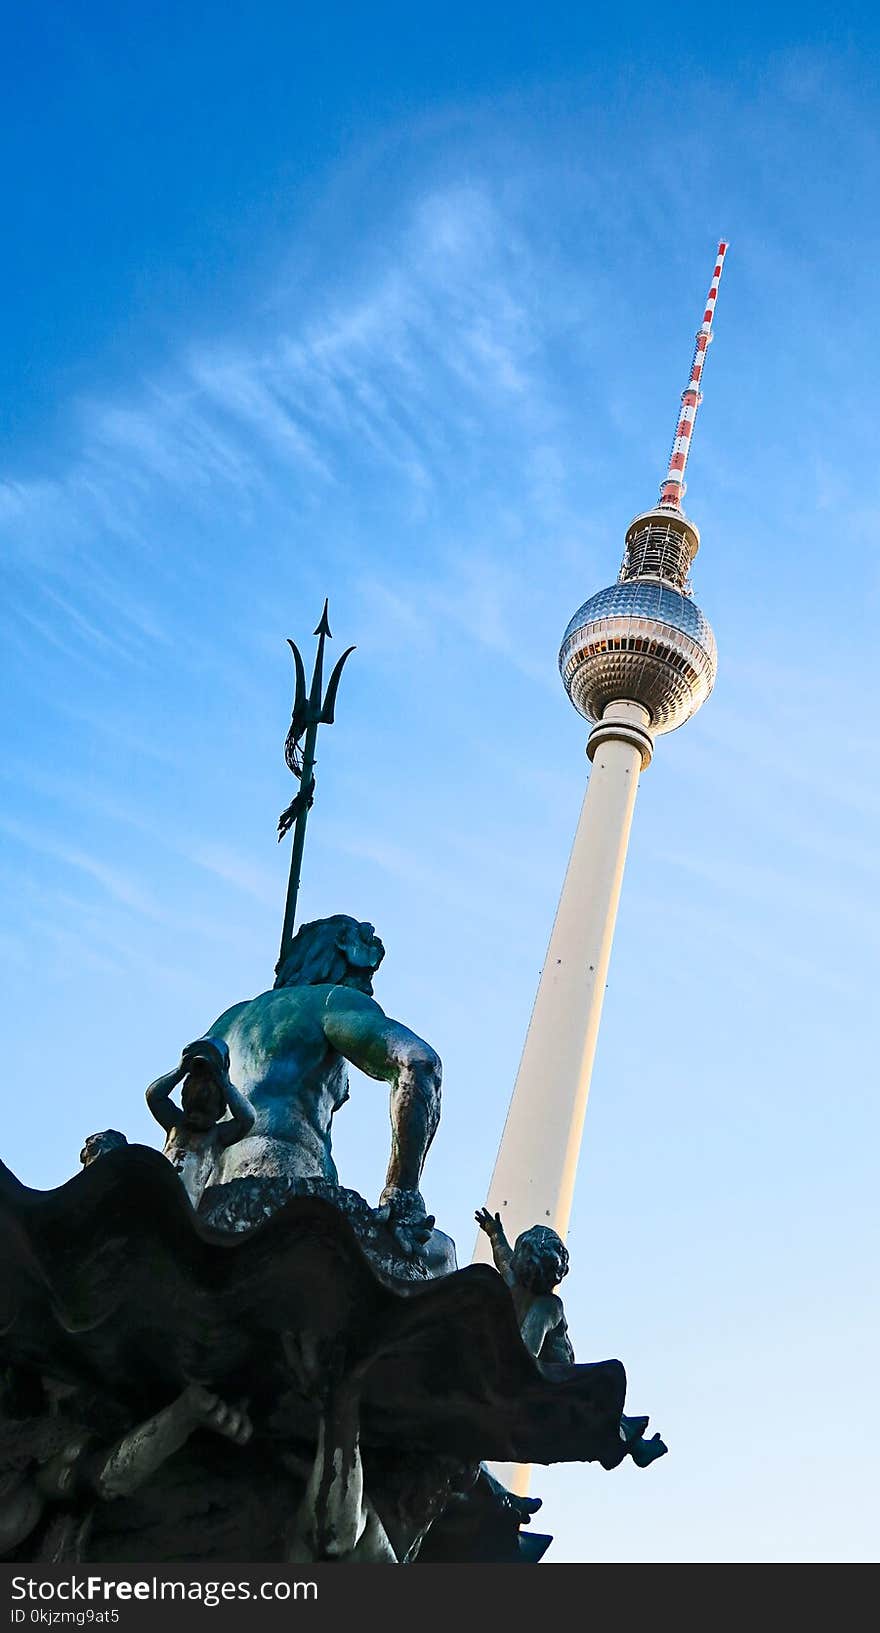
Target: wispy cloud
(117, 884)
(221, 860)
(392, 381)
(447, 323)
(239, 871)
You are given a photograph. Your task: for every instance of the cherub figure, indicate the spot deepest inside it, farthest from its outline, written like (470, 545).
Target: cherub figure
(532, 1268)
(200, 1131)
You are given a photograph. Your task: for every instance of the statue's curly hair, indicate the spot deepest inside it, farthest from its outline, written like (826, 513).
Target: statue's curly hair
(544, 1243)
(316, 959)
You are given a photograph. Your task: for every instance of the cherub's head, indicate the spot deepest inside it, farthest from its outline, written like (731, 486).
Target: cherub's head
(540, 1259)
(97, 1145)
(203, 1092)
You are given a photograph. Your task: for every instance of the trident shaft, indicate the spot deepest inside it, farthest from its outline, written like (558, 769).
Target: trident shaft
(310, 710)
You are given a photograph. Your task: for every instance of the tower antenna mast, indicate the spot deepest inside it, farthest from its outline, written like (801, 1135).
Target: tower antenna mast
(673, 486)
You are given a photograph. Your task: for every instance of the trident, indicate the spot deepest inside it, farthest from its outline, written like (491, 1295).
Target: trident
(309, 712)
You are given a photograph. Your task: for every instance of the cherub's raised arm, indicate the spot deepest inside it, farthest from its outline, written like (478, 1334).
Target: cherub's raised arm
(241, 1114)
(502, 1252)
(366, 1036)
(159, 1099)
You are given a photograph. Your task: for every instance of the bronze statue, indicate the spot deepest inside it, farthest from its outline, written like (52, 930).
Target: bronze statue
(532, 1269)
(289, 1049)
(212, 1114)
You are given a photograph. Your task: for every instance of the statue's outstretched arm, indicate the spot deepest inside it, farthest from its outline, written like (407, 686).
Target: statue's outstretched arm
(159, 1099)
(364, 1034)
(145, 1448)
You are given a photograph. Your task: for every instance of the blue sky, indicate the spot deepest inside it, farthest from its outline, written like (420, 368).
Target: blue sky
(395, 305)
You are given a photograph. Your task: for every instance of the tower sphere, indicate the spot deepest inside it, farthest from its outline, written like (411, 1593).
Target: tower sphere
(644, 639)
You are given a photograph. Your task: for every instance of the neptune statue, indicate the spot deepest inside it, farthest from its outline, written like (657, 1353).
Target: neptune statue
(286, 1055)
(289, 1050)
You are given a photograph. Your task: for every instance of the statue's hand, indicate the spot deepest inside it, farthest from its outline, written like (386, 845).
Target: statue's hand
(403, 1207)
(490, 1223)
(404, 1213)
(208, 1411)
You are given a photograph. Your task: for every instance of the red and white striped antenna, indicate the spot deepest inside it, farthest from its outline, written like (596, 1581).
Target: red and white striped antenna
(673, 486)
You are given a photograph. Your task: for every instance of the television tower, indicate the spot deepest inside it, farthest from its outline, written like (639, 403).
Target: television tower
(638, 659)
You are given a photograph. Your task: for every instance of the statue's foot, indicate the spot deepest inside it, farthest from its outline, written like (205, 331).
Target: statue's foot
(632, 1428)
(644, 1452)
(509, 1501)
(524, 1507)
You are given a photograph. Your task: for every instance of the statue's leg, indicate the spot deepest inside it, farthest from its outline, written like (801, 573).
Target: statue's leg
(335, 1520)
(331, 1515)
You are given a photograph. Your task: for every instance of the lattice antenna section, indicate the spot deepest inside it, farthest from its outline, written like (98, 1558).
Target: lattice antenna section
(673, 487)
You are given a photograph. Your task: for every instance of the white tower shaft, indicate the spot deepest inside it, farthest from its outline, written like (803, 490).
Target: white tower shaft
(534, 1176)
(533, 1182)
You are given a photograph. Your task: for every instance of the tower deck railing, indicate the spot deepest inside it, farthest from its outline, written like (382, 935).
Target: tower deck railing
(658, 550)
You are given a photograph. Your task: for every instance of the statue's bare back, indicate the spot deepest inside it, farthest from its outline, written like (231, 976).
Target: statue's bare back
(289, 1053)
(293, 1076)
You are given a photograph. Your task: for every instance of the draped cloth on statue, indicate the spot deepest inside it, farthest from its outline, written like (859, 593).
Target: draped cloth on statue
(112, 1283)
